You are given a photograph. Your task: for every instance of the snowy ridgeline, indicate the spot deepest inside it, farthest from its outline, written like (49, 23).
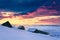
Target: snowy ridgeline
(17, 34)
(53, 31)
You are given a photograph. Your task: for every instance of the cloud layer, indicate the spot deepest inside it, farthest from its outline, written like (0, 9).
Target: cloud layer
(30, 12)
(27, 5)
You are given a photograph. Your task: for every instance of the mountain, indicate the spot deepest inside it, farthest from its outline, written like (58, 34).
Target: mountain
(7, 24)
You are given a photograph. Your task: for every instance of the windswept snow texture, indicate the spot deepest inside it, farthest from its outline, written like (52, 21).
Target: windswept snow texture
(16, 34)
(54, 31)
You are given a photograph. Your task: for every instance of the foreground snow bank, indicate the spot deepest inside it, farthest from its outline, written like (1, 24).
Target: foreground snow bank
(16, 34)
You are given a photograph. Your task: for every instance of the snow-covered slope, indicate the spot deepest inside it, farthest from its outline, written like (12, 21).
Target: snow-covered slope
(53, 31)
(16, 34)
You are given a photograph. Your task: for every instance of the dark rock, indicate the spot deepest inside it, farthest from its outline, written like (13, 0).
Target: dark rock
(34, 30)
(21, 27)
(7, 24)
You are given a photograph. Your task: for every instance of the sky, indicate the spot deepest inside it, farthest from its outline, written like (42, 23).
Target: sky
(30, 12)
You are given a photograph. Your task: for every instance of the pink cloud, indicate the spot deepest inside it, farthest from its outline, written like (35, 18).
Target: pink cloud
(52, 20)
(43, 11)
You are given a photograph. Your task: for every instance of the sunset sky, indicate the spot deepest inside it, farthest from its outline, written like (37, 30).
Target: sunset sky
(30, 12)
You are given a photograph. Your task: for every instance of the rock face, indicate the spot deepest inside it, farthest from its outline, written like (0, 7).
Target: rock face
(7, 24)
(34, 30)
(21, 27)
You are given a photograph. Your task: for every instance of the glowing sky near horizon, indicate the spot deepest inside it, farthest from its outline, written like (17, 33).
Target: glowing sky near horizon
(41, 16)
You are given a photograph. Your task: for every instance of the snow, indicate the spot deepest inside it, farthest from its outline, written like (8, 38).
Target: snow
(17, 34)
(31, 29)
(54, 31)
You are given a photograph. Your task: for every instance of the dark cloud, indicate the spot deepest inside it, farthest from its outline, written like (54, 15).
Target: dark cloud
(27, 5)
(19, 5)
